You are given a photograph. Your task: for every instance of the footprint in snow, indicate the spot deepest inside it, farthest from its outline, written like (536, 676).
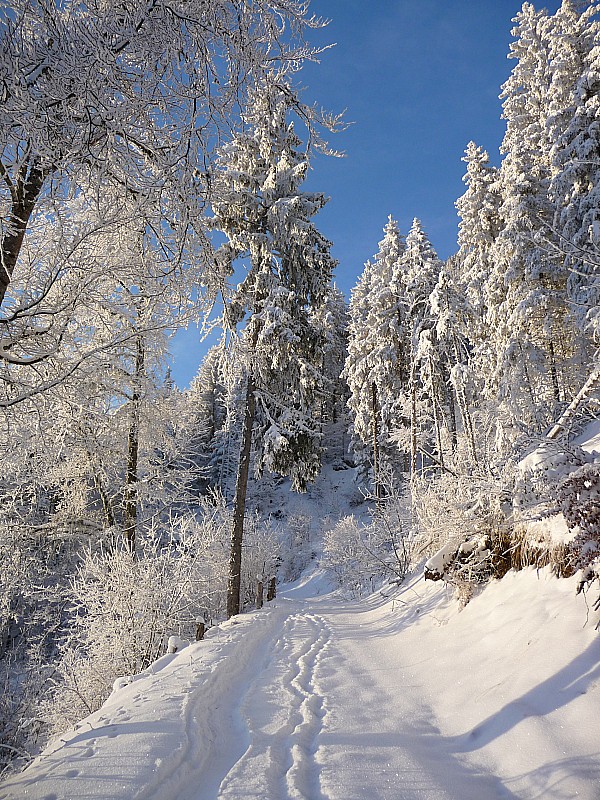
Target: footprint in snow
(71, 773)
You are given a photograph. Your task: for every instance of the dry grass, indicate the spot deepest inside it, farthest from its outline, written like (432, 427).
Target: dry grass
(539, 552)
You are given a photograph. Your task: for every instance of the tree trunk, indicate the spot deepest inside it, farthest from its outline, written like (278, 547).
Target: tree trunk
(592, 383)
(467, 423)
(438, 431)
(554, 373)
(413, 419)
(375, 413)
(239, 504)
(463, 406)
(452, 415)
(25, 192)
(133, 443)
(435, 407)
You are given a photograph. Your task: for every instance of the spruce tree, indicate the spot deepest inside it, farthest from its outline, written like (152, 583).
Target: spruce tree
(376, 367)
(267, 220)
(575, 186)
(331, 320)
(420, 269)
(527, 313)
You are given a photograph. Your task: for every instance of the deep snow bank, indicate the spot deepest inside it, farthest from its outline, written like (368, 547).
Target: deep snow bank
(416, 699)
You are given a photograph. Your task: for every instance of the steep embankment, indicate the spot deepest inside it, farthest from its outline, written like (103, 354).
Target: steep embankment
(394, 697)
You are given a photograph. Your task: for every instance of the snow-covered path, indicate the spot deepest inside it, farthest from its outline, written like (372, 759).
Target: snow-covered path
(321, 699)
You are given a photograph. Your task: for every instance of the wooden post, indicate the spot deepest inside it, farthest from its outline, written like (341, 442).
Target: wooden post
(272, 589)
(259, 594)
(200, 628)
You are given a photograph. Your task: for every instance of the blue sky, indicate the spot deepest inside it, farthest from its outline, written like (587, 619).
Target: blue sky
(418, 79)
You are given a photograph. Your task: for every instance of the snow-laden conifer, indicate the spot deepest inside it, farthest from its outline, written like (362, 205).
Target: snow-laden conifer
(377, 364)
(575, 160)
(420, 267)
(527, 311)
(331, 320)
(478, 210)
(267, 220)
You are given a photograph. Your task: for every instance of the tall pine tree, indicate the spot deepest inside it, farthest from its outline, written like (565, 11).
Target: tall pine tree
(377, 364)
(267, 219)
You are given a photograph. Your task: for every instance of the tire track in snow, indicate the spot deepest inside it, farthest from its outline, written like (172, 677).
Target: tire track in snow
(284, 711)
(209, 740)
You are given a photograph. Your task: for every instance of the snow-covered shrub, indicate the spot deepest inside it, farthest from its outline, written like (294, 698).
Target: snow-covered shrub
(540, 472)
(560, 481)
(345, 557)
(361, 556)
(464, 566)
(464, 528)
(578, 496)
(126, 608)
(35, 566)
(260, 555)
(24, 686)
(392, 528)
(296, 551)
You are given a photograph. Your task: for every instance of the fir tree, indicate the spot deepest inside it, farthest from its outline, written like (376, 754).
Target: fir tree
(527, 311)
(575, 187)
(267, 218)
(420, 269)
(376, 367)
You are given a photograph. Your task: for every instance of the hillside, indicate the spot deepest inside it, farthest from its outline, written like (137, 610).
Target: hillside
(401, 695)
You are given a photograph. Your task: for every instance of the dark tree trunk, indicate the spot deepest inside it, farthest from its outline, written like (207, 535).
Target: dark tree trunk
(133, 444)
(24, 192)
(554, 373)
(413, 419)
(375, 414)
(239, 505)
(435, 407)
(452, 415)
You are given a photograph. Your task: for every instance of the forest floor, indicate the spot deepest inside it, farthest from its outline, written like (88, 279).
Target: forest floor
(399, 696)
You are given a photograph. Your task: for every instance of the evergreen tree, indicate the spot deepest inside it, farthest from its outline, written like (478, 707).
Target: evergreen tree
(462, 300)
(527, 311)
(420, 270)
(480, 223)
(207, 397)
(331, 319)
(575, 187)
(451, 313)
(377, 363)
(267, 218)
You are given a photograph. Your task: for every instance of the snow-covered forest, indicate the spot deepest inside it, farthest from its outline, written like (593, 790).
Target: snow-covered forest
(439, 423)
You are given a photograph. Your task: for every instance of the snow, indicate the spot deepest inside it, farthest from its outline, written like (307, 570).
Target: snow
(590, 438)
(439, 561)
(552, 530)
(397, 696)
(176, 643)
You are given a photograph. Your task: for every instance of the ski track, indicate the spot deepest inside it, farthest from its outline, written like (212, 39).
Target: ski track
(263, 741)
(309, 699)
(210, 740)
(284, 712)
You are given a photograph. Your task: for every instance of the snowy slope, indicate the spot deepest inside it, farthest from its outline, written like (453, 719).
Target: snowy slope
(395, 697)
